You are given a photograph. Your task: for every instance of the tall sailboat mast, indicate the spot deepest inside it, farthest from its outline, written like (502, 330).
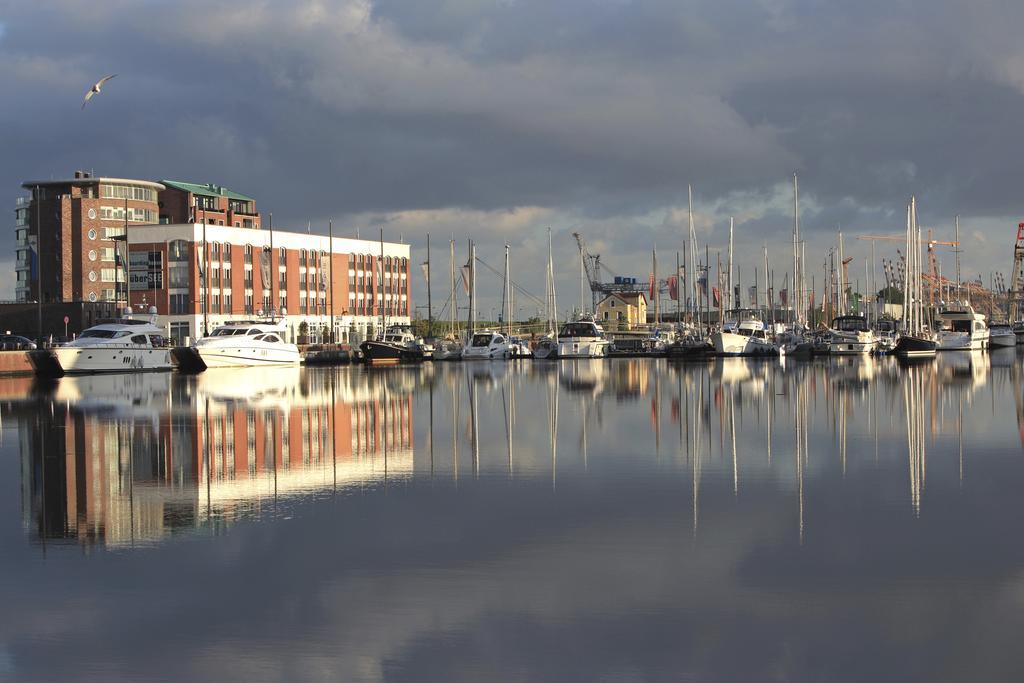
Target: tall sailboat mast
(453, 308)
(554, 298)
(732, 304)
(430, 307)
(506, 297)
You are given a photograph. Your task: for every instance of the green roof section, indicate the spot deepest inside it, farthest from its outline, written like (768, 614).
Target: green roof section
(208, 190)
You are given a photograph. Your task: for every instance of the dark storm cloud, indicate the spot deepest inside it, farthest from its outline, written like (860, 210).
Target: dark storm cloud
(590, 116)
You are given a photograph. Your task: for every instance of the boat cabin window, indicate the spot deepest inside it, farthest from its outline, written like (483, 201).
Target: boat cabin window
(961, 325)
(481, 340)
(157, 340)
(579, 330)
(499, 339)
(140, 339)
(851, 325)
(254, 330)
(272, 338)
(99, 334)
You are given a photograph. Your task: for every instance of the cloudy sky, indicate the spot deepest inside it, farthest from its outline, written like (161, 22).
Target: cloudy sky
(498, 119)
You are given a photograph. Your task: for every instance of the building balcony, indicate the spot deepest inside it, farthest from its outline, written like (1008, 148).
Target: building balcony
(22, 202)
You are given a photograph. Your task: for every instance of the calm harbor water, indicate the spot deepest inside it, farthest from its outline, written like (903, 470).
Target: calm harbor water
(632, 519)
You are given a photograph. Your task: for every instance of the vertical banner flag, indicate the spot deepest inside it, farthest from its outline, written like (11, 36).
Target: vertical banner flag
(784, 296)
(673, 287)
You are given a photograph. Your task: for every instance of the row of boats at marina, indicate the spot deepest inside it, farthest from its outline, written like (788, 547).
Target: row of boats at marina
(131, 344)
(743, 333)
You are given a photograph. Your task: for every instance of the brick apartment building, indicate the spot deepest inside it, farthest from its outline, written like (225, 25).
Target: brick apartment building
(80, 219)
(87, 223)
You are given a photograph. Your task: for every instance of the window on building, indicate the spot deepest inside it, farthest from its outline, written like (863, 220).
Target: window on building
(282, 259)
(248, 303)
(177, 274)
(179, 331)
(177, 250)
(227, 302)
(248, 253)
(179, 304)
(227, 251)
(135, 192)
(248, 277)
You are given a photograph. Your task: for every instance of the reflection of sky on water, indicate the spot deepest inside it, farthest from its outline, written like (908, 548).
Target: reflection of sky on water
(849, 552)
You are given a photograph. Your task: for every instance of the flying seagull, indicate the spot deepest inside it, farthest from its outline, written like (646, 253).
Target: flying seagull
(94, 90)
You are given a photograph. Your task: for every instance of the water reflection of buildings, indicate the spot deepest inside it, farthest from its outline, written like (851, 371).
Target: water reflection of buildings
(132, 459)
(119, 460)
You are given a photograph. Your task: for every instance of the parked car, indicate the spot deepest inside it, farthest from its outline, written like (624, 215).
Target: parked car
(14, 342)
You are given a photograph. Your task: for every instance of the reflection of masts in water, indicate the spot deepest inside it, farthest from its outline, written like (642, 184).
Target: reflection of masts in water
(206, 457)
(508, 403)
(584, 405)
(430, 430)
(334, 433)
(960, 439)
(769, 403)
(696, 460)
(553, 426)
(800, 441)
(474, 427)
(916, 458)
(656, 413)
(455, 431)
(732, 434)
(844, 398)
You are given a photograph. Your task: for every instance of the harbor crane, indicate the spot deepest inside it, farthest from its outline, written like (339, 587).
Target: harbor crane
(592, 267)
(932, 277)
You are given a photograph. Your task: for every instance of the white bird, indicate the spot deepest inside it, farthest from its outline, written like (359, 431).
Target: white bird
(94, 90)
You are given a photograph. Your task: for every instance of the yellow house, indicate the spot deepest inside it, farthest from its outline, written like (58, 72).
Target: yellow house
(622, 310)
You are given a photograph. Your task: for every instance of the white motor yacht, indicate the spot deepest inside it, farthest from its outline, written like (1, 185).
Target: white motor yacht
(486, 345)
(851, 336)
(239, 343)
(744, 334)
(1001, 335)
(124, 344)
(583, 338)
(963, 329)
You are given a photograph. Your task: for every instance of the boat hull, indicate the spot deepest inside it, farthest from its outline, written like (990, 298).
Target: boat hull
(732, 344)
(85, 360)
(1002, 340)
(912, 346)
(962, 342)
(383, 352)
(245, 357)
(583, 348)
